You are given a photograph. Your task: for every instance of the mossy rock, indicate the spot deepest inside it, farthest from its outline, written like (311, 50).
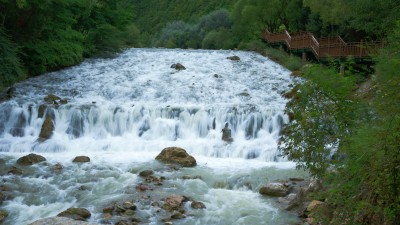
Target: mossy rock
(30, 159)
(81, 159)
(47, 129)
(234, 58)
(41, 110)
(76, 214)
(178, 66)
(3, 215)
(51, 98)
(177, 156)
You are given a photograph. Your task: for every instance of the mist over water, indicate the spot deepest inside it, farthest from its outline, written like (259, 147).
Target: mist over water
(122, 112)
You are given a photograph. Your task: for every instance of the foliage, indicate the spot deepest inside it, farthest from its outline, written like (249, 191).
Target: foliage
(212, 31)
(151, 16)
(363, 134)
(218, 39)
(10, 67)
(289, 61)
(321, 119)
(55, 34)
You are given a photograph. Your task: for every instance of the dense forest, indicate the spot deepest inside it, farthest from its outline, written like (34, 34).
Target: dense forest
(345, 128)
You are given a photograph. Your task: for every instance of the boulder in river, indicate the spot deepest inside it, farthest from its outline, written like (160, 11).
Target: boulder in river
(52, 99)
(41, 110)
(57, 167)
(226, 134)
(47, 129)
(81, 159)
(234, 58)
(59, 221)
(30, 159)
(178, 66)
(274, 189)
(3, 215)
(15, 170)
(197, 205)
(176, 155)
(76, 214)
(173, 202)
(146, 173)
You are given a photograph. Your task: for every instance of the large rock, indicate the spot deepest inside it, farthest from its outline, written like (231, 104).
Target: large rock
(59, 221)
(76, 214)
(47, 129)
(81, 159)
(319, 212)
(226, 134)
(274, 189)
(173, 202)
(41, 110)
(30, 159)
(299, 203)
(178, 66)
(52, 99)
(176, 155)
(146, 173)
(234, 58)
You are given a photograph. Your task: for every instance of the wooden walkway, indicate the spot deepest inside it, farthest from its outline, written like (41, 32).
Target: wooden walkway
(323, 48)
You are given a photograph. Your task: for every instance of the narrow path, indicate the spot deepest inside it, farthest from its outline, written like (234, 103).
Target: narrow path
(323, 48)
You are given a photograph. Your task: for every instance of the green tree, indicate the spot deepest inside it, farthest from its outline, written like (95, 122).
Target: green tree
(11, 69)
(321, 119)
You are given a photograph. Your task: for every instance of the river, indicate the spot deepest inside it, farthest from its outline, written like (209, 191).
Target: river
(122, 112)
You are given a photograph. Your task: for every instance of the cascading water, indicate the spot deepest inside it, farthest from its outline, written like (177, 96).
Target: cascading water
(122, 112)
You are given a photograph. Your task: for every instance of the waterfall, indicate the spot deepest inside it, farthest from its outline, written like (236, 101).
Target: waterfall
(122, 112)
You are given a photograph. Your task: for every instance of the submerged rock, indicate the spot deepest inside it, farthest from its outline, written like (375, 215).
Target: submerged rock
(177, 215)
(30, 159)
(234, 58)
(15, 170)
(57, 167)
(178, 66)
(47, 129)
(274, 189)
(176, 155)
(51, 98)
(59, 221)
(3, 215)
(188, 177)
(76, 214)
(144, 187)
(226, 134)
(41, 110)
(173, 202)
(81, 159)
(197, 205)
(146, 173)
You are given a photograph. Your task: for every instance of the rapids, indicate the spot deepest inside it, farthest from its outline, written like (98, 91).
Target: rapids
(122, 112)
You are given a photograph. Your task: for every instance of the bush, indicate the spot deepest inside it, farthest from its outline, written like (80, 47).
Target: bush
(220, 39)
(43, 56)
(105, 40)
(288, 60)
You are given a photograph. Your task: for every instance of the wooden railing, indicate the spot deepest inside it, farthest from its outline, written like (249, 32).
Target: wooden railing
(330, 47)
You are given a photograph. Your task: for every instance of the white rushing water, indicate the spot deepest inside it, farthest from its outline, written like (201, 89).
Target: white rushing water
(122, 112)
